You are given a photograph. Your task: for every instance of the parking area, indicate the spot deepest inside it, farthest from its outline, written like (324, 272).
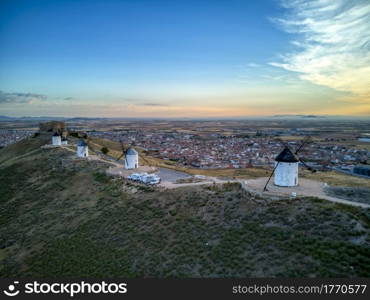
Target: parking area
(171, 175)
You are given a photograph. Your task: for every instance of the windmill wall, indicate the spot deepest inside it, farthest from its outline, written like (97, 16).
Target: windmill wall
(56, 140)
(82, 151)
(286, 174)
(131, 161)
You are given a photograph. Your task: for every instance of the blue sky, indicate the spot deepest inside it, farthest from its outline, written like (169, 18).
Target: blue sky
(159, 58)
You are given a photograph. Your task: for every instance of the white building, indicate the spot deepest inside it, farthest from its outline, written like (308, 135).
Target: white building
(56, 139)
(82, 149)
(131, 159)
(286, 172)
(64, 141)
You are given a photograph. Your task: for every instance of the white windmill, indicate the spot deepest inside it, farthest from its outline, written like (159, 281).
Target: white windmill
(286, 166)
(82, 149)
(131, 157)
(286, 171)
(56, 139)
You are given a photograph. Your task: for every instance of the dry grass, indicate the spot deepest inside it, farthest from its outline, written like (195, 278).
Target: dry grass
(232, 173)
(299, 138)
(336, 179)
(96, 144)
(22, 148)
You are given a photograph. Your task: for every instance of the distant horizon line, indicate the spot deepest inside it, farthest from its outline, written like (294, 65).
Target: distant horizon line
(298, 116)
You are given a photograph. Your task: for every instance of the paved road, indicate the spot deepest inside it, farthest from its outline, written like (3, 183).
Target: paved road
(171, 175)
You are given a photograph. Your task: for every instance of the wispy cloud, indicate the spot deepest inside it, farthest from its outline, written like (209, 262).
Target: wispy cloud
(153, 104)
(68, 98)
(253, 65)
(23, 98)
(333, 46)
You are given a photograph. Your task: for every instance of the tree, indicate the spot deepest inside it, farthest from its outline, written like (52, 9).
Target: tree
(104, 150)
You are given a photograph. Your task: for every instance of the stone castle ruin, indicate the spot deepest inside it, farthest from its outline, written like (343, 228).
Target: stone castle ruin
(53, 127)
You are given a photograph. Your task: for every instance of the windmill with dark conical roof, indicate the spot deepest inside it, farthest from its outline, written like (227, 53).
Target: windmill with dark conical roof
(286, 166)
(131, 157)
(286, 172)
(82, 149)
(56, 139)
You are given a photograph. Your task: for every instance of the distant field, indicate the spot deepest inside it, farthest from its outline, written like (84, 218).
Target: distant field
(353, 143)
(299, 138)
(356, 144)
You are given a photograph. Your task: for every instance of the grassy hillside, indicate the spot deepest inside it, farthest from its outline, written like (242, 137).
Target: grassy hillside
(63, 217)
(26, 147)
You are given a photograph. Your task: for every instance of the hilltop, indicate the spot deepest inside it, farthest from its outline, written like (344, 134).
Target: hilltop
(64, 217)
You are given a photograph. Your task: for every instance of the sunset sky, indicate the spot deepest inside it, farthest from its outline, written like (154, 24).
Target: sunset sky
(216, 58)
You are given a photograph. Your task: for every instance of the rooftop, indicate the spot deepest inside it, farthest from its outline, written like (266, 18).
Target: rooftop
(131, 151)
(286, 156)
(82, 143)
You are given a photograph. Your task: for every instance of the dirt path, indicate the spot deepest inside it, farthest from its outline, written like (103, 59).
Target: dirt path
(93, 157)
(307, 187)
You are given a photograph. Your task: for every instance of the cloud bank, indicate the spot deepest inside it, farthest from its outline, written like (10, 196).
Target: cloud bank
(333, 46)
(153, 104)
(23, 98)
